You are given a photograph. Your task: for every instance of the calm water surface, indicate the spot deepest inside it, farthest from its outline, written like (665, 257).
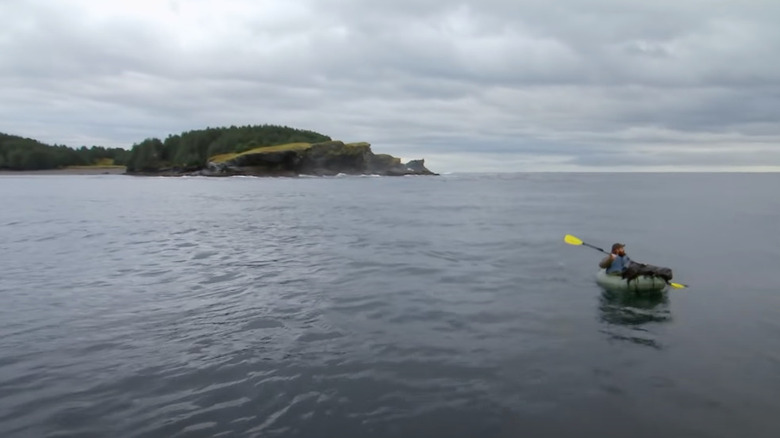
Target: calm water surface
(385, 307)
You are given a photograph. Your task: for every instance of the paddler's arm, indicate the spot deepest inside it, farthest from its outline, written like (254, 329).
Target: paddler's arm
(606, 262)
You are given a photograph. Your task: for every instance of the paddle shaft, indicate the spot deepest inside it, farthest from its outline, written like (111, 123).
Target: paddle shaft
(594, 247)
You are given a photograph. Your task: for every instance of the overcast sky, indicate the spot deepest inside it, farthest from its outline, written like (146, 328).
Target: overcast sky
(489, 85)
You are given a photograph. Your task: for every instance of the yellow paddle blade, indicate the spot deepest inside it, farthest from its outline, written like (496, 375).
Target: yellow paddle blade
(678, 285)
(571, 240)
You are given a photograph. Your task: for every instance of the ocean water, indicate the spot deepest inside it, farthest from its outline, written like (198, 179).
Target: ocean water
(386, 307)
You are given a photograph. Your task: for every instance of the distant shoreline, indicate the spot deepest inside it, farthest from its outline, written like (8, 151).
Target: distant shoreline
(74, 170)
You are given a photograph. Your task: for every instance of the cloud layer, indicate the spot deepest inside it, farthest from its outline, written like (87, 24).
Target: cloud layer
(495, 85)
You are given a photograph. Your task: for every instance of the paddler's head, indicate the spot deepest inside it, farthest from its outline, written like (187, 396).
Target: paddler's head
(619, 249)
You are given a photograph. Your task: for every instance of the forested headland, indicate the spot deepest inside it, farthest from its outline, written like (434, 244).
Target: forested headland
(19, 153)
(181, 152)
(191, 150)
(259, 150)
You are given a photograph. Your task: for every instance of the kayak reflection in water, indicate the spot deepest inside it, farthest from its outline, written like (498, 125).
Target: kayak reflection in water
(617, 261)
(634, 318)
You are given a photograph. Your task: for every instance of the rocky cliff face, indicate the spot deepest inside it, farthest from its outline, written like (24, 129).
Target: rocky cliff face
(327, 158)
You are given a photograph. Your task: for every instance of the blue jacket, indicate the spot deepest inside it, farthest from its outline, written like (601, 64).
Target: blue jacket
(615, 266)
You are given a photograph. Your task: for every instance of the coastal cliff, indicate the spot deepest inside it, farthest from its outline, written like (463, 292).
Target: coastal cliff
(258, 150)
(320, 159)
(261, 150)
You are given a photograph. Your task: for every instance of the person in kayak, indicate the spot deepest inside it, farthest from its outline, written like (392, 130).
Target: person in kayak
(617, 261)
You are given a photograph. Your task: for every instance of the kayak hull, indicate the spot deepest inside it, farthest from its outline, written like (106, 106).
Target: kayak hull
(639, 284)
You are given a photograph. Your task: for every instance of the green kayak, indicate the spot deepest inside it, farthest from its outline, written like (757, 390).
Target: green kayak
(639, 284)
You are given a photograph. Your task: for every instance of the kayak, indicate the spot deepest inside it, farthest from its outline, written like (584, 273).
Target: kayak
(640, 284)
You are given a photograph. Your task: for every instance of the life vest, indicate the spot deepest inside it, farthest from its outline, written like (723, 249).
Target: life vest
(618, 264)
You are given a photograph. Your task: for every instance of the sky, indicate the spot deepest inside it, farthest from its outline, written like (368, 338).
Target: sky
(483, 86)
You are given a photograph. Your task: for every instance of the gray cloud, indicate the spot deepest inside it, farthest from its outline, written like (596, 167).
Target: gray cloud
(501, 85)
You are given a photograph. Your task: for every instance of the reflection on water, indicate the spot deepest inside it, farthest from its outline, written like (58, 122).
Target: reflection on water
(629, 316)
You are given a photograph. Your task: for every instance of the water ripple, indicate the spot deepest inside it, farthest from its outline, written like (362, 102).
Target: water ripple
(150, 307)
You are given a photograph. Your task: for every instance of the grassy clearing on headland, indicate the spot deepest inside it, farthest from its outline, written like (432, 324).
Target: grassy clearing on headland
(101, 163)
(221, 158)
(104, 162)
(94, 167)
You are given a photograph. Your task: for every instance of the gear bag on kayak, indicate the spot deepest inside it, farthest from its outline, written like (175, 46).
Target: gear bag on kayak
(635, 269)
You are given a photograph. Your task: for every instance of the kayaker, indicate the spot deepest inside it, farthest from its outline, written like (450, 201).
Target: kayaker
(617, 261)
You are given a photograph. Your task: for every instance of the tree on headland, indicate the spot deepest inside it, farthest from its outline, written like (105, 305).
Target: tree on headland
(146, 156)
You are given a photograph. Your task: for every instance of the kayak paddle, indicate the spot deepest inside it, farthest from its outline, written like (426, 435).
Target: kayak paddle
(572, 240)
